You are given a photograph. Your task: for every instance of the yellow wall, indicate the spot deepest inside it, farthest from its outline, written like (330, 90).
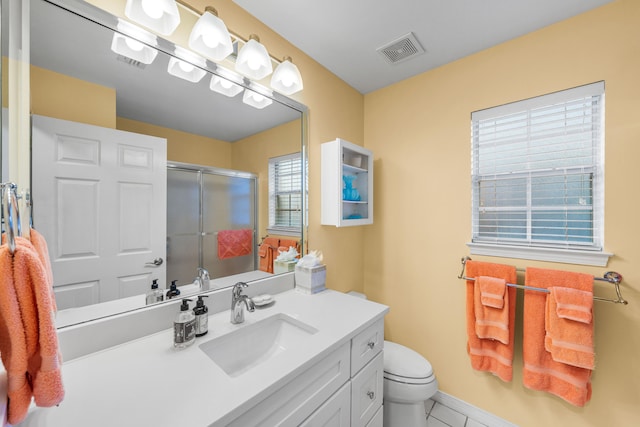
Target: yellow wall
(422, 211)
(252, 154)
(184, 147)
(63, 97)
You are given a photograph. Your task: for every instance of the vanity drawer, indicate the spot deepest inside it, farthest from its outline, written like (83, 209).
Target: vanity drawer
(296, 400)
(335, 412)
(366, 345)
(366, 392)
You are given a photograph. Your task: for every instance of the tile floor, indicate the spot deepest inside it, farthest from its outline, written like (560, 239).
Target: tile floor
(439, 415)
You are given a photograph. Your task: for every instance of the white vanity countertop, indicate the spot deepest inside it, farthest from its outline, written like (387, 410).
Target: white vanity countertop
(148, 382)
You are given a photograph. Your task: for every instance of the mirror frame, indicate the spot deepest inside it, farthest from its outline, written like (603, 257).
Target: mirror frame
(109, 21)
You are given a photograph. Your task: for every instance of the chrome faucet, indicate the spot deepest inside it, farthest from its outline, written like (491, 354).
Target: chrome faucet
(237, 300)
(203, 279)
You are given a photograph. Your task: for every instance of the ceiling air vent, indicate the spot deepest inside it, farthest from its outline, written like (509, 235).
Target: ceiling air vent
(406, 47)
(130, 61)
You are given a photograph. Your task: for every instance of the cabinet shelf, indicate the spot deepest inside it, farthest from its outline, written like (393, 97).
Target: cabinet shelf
(347, 184)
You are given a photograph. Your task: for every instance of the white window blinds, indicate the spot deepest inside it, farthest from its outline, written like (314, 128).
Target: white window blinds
(285, 194)
(537, 171)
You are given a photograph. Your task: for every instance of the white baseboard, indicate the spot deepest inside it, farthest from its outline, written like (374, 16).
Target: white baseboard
(470, 411)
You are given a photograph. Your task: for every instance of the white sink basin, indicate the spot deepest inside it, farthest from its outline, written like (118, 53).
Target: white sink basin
(243, 349)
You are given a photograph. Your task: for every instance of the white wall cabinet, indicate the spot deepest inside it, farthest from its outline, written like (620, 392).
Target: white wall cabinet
(347, 184)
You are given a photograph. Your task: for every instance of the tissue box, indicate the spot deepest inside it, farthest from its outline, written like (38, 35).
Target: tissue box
(284, 266)
(310, 280)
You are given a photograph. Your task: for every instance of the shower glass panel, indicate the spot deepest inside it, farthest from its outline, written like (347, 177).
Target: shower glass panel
(201, 202)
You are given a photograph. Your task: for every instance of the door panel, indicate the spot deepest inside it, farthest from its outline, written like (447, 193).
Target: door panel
(100, 201)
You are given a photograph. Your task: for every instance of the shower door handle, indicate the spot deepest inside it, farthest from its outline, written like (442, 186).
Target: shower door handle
(156, 262)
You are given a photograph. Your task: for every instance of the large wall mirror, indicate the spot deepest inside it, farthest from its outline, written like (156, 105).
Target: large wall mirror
(80, 84)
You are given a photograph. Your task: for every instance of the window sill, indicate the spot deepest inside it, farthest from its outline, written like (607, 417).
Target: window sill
(283, 232)
(567, 256)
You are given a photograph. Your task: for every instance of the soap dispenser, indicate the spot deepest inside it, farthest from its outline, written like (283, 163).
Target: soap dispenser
(184, 326)
(202, 316)
(173, 290)
(154, 295)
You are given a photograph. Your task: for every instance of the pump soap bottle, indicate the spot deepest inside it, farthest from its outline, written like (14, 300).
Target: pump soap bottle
(173, 290)
(184, 326)
(154, 295)
(202, 316)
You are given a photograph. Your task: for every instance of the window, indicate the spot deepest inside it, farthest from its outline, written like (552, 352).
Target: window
(285, 194)
(537, 176)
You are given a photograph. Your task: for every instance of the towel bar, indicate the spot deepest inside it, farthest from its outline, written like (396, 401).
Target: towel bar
(610, 277)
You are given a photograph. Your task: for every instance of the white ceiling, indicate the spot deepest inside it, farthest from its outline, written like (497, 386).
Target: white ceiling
(343, 35)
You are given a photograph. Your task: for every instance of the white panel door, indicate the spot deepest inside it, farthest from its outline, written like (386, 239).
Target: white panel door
(99, 198)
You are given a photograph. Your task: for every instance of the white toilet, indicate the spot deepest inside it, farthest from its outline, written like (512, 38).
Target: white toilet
(408, 382)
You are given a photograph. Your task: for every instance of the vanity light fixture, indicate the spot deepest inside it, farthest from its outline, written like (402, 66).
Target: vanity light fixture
(134, 43)
(286, 78)
(133, 49)
(210, 36)
(253, 59)
(186, 65)
(224, 86)
(255, 99)
(161, 16)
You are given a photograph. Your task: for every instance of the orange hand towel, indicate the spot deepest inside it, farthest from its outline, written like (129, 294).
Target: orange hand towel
(40, 245)
(287, 243)
(540, 371)
(569, 327)
(13, 346)
(488, 354)
(492, 291)
(266, 252)
(36, 307)
(492, 319)
(234, 243)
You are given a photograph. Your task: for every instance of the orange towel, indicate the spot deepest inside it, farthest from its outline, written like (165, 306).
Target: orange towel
(266, 252)
(41, 248)
(13, 346)
(569, 327)
(234, 243)
(540, 371)
(487, 354)
(491, 302)
(287, 243)
(38, 319)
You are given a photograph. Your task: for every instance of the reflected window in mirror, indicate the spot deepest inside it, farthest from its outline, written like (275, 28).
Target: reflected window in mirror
(285, 195)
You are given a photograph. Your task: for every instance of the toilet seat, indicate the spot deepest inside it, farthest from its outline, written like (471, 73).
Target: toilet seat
(404, 365)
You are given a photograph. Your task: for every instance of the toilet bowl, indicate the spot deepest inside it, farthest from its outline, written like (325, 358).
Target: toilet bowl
(408, 382)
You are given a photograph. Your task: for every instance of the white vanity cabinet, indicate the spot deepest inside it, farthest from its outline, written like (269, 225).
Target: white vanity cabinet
(333, 379)
(359, 402)
(347, 184)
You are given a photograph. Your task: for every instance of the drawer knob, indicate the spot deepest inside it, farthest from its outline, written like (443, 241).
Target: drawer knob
(371, 344)
(371, 395)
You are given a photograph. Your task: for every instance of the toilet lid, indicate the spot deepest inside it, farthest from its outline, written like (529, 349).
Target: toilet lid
(401, 361)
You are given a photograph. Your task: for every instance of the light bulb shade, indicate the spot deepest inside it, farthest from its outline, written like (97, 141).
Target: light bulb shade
(225, 87)
(255, 99)
(161, 16)
(253, 60)
(185, 70)
(210, 37)
(286, 78)
(133, 49)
